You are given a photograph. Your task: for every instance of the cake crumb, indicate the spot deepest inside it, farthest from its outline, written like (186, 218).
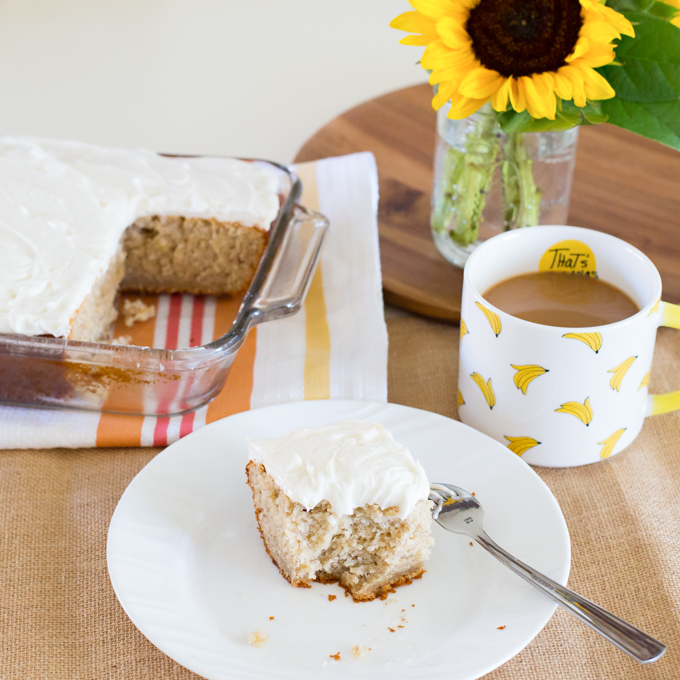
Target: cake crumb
(473, 493)
(271, 618)
(471, 543)
(500, 628)
(257, 638)
(332, 597)
(137, 310)
(391, 630)
(400, 626)
(335, 656)
(359, 651)
(122, 340)
(413, 605)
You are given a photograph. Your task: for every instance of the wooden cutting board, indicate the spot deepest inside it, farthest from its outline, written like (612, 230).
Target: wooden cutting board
(624, 185)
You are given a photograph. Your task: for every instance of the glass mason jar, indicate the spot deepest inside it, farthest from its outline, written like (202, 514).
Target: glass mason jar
(487, 181)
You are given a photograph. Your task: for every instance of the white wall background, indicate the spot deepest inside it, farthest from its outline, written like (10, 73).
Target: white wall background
(238, 77)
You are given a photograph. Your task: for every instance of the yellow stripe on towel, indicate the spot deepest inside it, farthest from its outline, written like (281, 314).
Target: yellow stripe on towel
(317, 373)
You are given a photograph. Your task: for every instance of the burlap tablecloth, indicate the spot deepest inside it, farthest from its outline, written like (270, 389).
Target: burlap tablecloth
(59, 617)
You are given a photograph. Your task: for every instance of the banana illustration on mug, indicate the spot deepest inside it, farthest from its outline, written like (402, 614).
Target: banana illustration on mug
(525, 374)
(487, 389)
(582, 411)
(609, 443)
(593, 340)
(619, 372)
(520, 445)
(463, 329)
(655, 308)
(461, 401)
(493, 319)
(645, 381)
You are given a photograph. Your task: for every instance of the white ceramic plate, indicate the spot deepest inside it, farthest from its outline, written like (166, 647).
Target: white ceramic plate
(188, 565)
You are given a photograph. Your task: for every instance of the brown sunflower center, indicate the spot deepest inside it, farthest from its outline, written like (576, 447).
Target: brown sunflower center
(521, 37)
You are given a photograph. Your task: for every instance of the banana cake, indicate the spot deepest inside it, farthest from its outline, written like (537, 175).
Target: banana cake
(342, 503)
(80, 222)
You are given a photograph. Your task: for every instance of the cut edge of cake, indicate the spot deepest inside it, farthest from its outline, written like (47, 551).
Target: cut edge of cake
(369, 553)
(171, 254)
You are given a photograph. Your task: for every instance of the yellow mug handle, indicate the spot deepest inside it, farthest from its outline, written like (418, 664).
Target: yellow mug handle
(663, 403)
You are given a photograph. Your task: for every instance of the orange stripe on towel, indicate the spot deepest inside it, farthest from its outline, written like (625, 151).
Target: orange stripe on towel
(235, 395)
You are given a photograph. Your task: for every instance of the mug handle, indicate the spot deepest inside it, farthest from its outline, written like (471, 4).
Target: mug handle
(670, 401)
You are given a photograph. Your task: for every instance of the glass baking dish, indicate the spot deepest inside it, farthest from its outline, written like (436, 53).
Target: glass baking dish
(52, 372)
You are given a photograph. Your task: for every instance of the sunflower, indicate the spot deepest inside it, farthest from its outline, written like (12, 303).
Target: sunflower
(528, 53)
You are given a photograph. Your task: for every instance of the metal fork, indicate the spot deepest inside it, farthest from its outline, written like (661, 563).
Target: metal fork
(460, 512)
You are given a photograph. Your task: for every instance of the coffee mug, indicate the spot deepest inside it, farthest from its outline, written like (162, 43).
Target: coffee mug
(560, 396)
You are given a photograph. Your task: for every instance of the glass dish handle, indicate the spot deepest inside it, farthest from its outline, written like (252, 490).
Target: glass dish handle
(290, 274)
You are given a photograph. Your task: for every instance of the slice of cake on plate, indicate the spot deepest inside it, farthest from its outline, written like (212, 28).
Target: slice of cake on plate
(342, 503)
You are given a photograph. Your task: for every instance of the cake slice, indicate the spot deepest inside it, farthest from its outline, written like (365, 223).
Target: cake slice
(342, 503)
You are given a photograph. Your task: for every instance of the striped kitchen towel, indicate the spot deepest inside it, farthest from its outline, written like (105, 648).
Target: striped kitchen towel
(335, 348)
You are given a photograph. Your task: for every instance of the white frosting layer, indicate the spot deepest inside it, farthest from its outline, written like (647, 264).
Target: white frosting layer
(349, 464)
(65, 205)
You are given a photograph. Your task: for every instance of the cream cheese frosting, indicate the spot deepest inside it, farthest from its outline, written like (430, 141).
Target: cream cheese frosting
(65, 205)
(349, 464)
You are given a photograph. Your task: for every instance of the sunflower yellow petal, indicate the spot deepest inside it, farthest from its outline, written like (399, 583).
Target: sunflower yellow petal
(453, 67)
(480, 83)
(547, 88)
(599, 31)
(435, 51)
(499, 100)
(444, 92)
(462, 107)
(596, 86)
(618, 21)
(575, 77)
(434, 9)
(597, 11)
(563, 88)
(414, 22)
(453, 33)
(598, 55)
(676, 21)
(518, 98)
(581, 47)
(538, 94)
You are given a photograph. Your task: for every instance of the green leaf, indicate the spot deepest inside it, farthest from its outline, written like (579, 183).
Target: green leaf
(649, 69)
(647, 79)
(590, 114)
(656, 120)
(566, 118)
(646, 6)
(662, 10)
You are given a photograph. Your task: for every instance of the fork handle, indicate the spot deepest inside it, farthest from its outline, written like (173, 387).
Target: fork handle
(629, 639)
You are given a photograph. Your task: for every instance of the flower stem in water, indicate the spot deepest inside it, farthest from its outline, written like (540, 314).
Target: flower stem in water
(467, 175)
(521, 196)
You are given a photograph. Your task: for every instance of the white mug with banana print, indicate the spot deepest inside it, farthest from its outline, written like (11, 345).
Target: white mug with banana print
(560, 396)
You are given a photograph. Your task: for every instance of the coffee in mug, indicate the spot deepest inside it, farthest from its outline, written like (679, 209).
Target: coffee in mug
(561, 299)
